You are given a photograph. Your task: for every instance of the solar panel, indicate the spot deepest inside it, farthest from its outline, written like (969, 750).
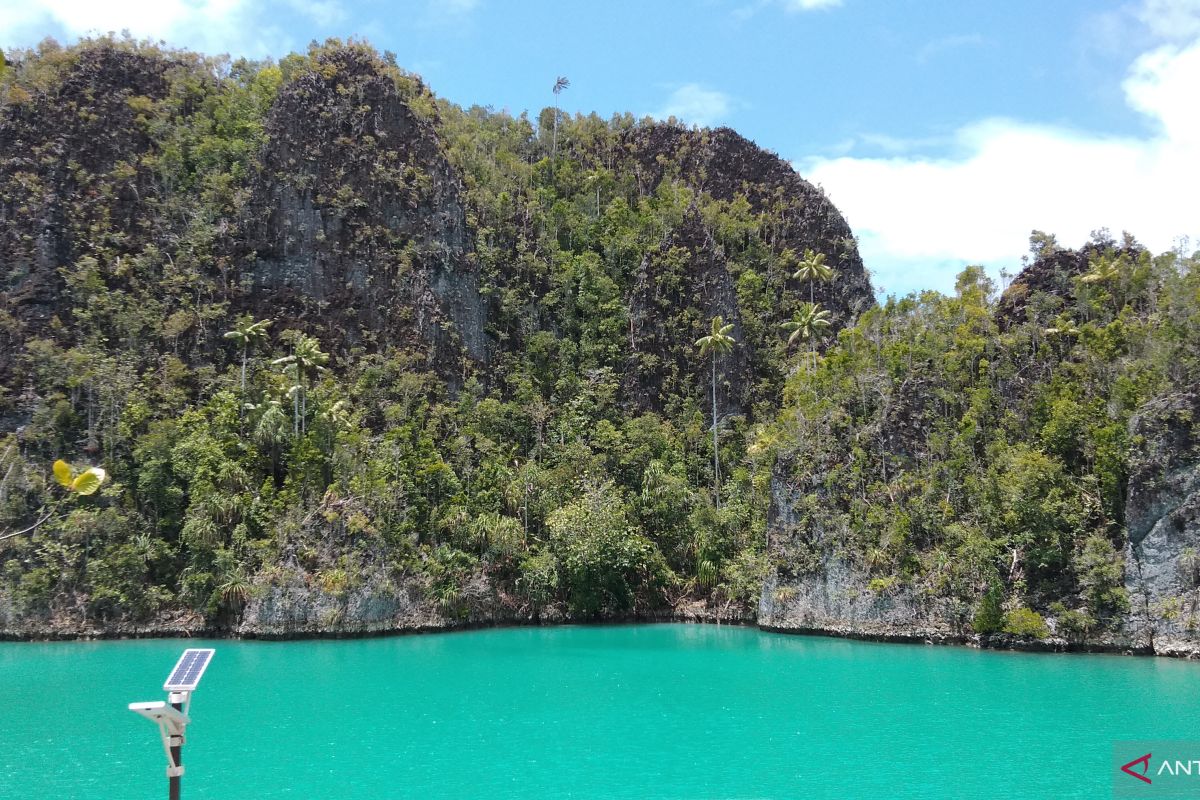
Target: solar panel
(187, 672)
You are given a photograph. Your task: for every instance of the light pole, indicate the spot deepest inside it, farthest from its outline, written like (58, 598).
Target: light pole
(172, 717)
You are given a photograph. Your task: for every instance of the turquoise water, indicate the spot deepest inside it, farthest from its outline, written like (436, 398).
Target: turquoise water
(659, 711)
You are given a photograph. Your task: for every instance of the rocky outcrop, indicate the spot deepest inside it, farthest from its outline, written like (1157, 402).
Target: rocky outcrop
(350, 223)
(798, 215)
(819, 589)
(822, 585)
(694, 274)
(359, 221)
(1053, 277)
(71, 161)
(837, 599)
(689, 268)
(300, 610)
(18, 626)
(1162, 573)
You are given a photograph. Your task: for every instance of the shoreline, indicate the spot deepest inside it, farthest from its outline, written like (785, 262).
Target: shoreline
(996, 642)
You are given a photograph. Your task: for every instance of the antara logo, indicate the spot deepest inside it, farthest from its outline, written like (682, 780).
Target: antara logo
(1169, 768)
(1145, 762)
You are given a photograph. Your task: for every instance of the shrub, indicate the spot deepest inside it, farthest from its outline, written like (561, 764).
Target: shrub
(538, 581)
(606, 564)
(989, 617)
(1026, 622)
(1102, 576)
(882, 585)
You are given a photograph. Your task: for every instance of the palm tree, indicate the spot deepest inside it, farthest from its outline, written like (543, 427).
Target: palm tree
(813, 269)
(306, 357)
(1113, 272)
(247, 334)
(806, 324)
(559, 85)
(718, 342)
(1103, 271)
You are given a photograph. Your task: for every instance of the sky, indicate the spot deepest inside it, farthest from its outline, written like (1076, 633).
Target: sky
(945, 131)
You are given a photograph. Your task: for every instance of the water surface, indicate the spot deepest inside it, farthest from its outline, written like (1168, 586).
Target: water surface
(659, 711)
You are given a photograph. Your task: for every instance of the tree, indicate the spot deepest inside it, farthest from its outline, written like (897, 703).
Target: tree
(607, 564)
(306, 358)
(1113, 272)
(813, 269)
(79, 484)
(559, 85)
(989, 616)
(245, 335)
(1103, 271)
(718, 342)
(806, 323)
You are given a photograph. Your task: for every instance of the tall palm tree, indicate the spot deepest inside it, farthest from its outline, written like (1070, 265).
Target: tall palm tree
(559, 85)
(306, 358)
(812, 268)
(810, 320)
(247, 334)
(717, 343)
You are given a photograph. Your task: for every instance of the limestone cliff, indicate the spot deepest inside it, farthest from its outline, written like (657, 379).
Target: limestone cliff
(1162, 572)
(1054, 467)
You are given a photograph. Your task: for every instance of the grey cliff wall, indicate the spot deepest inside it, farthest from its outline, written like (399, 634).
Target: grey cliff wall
(1162, 571)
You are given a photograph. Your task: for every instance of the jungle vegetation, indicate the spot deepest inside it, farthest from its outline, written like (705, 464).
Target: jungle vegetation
(944, 441)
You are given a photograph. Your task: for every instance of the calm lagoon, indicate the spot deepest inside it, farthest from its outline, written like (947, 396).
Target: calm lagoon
(653, 711)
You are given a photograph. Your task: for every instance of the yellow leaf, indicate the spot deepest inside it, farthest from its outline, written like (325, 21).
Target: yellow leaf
(62, 473)
(88, 481)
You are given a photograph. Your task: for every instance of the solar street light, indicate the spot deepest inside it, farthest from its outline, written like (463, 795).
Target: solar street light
(172, 717)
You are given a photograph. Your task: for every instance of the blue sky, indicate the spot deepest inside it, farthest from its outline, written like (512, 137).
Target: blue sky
(945, 131)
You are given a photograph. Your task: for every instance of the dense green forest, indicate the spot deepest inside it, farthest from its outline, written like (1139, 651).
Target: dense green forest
(984, 449)
(327, 332)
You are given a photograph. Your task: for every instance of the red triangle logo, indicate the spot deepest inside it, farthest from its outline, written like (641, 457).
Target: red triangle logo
(1145, 762)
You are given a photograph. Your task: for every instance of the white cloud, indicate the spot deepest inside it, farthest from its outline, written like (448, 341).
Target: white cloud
(322, 12)
(791, 6)
(695, 104)
(211, 25)
(947, 43)
(1173, 20)
(921, 219)
(810, 5)
(457, 6)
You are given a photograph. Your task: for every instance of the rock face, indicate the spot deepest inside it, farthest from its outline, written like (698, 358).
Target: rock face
(819, 587)
(688, 267)
(300, 610)
(694, 263)
(71, 160)
(818, 590)
(1162, 556)
(835, 599)
(359, 218)
(1052, 275)
(354, 227)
